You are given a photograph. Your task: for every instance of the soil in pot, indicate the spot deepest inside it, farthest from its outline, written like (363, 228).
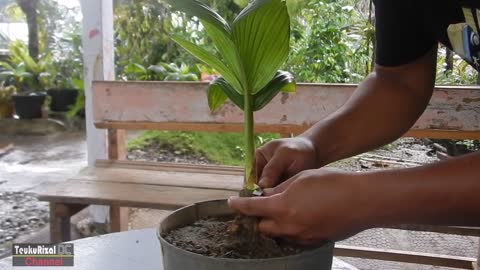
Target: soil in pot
(62, 99)
(213, 237)
(29, 106)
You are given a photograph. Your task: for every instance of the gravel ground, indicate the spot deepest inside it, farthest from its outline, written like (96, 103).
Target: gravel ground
(20, 214)
(164, 153)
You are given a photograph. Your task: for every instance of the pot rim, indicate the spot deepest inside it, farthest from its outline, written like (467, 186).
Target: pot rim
(312, 251)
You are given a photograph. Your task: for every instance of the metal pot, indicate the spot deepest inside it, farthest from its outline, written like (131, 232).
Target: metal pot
(178, 259)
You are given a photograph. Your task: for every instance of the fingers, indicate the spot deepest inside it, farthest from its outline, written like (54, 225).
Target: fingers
(270, 228)
(260, 161)
(273, 170)
(256, 206)
(280, 188)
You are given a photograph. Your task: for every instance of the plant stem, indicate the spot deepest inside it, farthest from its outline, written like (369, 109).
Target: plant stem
(250, 172)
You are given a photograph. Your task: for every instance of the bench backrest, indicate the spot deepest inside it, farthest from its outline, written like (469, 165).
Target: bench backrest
(454, 112)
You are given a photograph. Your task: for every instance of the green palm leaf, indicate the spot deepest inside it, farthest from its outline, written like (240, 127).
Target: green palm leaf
(251, 51)
(283, 81)
(228, 51)
(262, 35)
(210, 60)
(218, 92)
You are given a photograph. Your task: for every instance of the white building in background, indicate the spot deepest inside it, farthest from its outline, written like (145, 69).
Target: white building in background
(12, 31)
(15, 30)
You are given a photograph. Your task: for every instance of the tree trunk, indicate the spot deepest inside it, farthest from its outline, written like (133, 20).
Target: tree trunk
(30, 8)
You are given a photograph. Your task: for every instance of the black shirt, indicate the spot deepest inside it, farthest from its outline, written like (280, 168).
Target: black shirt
(407, 29)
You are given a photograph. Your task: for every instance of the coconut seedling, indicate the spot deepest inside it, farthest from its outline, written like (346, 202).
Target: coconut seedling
(249, 53)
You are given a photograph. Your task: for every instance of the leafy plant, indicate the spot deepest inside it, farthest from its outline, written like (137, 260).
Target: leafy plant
(460, 74)
(6, 92)
(161, 72)
(15, 75)
(142, 29)
(23, 71)
(173, 72)
(249, 53)
(80, 102)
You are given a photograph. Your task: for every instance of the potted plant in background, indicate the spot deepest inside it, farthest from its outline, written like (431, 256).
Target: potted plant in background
(22, 71)
(250, 52)
(28, 104)
(62, 92)
(6, 105)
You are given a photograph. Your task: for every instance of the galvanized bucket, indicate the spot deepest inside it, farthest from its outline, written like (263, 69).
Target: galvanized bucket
(179, 259)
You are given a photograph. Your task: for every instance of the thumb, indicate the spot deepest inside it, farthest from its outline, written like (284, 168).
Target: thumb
(255, 206)
(274, 169)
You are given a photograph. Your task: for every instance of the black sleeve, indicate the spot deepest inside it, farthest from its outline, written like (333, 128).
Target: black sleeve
(400, 31)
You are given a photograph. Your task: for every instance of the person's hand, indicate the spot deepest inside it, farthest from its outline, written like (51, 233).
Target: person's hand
(313, 206)
(281, 159)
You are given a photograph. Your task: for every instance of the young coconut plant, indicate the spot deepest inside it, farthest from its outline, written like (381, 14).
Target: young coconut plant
(249, 53)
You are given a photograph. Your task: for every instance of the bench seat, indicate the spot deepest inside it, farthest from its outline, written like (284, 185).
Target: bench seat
(142, 185)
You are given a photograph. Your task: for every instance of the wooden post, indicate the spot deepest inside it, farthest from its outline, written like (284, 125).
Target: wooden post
(60, 215)
(98, 59)
(117, 151)
(118, 218)
(116, 144)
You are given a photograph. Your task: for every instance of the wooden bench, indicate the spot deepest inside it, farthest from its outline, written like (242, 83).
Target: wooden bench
(453, 113)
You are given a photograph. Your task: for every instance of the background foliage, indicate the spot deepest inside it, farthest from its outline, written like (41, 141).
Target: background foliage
(332, 42)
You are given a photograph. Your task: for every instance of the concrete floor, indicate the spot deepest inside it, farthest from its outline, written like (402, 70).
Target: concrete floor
(36, 160)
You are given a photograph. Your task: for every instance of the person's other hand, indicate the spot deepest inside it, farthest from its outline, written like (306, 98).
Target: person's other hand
(313, 206)
(281, 159)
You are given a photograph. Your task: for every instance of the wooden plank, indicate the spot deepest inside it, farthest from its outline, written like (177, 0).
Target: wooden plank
(118, 219)
(128, 195)
(162, 178)
(116, 144)
(404, 256)
(164, 166)
(141, 103)
(282, 129)
(205, 127)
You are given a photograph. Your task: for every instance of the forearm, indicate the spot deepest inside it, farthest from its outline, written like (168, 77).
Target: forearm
(446, 193)
(377, 114)
(381, 110)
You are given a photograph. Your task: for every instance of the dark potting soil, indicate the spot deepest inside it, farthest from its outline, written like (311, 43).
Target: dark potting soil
(212, 237)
